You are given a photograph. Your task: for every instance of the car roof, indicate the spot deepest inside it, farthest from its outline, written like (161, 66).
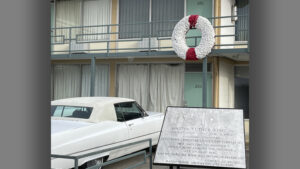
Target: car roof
(90, 101)
(103, 107)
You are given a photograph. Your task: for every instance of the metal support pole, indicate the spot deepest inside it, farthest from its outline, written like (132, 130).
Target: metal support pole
(204, 82)
(149, 40)
(76, 163)
(70, 37)
(171, 167)
(92, 90)
(150, 154)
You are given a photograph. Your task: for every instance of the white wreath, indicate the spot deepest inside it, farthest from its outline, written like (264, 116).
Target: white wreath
(207, 39)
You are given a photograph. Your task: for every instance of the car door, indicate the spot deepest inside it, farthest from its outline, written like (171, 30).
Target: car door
(138, 122)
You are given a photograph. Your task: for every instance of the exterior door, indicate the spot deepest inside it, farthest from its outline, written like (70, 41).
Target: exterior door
(197, 7)
(193, 89)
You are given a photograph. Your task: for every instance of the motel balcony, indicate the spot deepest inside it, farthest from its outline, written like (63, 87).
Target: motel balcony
(147, 40)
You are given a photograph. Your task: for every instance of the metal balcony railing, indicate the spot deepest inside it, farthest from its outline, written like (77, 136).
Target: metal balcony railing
(138, 153)
(143, 38)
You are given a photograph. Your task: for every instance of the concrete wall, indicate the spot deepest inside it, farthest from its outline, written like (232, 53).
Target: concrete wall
(226, 84)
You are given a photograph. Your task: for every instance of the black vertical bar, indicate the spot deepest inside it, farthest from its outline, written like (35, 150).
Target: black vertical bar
(76, 163)
(150, 153)
(204, 82)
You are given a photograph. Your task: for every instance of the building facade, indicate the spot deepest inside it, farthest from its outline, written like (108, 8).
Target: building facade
(123, 48)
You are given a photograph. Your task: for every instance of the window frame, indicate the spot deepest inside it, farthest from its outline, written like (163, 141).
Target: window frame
(150, 18)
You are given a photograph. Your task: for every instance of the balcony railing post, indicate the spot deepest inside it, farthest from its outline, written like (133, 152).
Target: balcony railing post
(149, 46)
(150, 154)
(51, 41)
(70, 37)
(248, 31)
(108, 34)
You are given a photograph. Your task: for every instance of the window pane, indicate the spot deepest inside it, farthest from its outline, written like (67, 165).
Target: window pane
(119, 113)
(241, 25)
(71, 111)
(68, 111)
(132, 12)
(130, 111)
(165, 14)
(56, 111)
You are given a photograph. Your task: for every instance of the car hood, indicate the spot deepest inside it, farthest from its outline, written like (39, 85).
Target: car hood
(58, 126)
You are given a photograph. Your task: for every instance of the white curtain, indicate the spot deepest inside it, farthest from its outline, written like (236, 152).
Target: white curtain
(154, 86)
(166, 86)
(66, 81)
(101, 80)
(96, 12)
(82, 13)
(68, 13)
(133, 82)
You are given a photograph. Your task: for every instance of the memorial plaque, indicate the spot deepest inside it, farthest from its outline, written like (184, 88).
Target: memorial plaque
(202, 137)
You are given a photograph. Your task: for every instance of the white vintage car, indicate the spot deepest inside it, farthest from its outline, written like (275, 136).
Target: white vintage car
(88, 124)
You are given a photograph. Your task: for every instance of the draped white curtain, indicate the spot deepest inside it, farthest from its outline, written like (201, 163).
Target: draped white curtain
(166, 86)
(101, 80)
(66, 81)
(71, 80)
(132, 82)
(96, 12)
(71, 13)
(68, 13)
(154, 86)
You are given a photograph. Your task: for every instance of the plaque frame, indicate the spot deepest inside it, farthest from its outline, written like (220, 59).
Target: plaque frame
(199, 166)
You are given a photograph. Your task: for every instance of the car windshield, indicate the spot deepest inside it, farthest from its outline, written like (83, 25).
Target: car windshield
(71, 111)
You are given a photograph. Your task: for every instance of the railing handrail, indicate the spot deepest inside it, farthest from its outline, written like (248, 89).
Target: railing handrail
(137, 23)
(77, 157)
(78, 39)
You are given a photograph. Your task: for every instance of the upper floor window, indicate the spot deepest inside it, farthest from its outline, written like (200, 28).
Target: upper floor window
(135, 15)
(128, 111)
(76, 13)
(242, 23)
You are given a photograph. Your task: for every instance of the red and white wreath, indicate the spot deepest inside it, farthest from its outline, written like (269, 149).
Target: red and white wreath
(207, 39)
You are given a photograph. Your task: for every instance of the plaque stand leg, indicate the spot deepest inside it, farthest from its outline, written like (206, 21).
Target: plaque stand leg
(204, 82)
(171, 167)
